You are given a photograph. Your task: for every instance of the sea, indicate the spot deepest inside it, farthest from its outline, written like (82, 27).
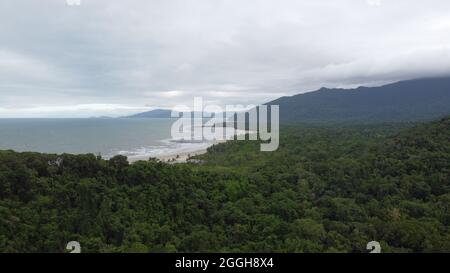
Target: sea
(131, 137)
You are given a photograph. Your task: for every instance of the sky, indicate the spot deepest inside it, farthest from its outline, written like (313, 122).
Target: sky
(116, 57)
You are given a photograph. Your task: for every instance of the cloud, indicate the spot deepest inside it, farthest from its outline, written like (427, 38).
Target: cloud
(163, 53)
(374, 2)
(167, 94)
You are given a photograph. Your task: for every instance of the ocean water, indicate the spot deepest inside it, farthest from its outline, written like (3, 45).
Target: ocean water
(108, 137)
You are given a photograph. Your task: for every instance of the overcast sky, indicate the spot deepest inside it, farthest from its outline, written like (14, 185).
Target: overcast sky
(114, 57)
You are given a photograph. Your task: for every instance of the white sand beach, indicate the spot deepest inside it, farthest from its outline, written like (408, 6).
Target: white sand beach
(180, 156)
(185, 151)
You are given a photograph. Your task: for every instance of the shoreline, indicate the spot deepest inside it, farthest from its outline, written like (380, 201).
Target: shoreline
(182, 156)
(174, 157)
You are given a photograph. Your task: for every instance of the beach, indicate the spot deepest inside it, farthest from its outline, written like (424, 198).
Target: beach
(180, 157)
(177, 156)
(184, 150)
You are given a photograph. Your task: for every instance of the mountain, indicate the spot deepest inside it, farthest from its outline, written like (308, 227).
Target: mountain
(158, 113)
(100, 117)
(412, 100)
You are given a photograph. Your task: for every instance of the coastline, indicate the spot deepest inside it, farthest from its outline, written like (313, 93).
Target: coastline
(182, 155)
(175, 156)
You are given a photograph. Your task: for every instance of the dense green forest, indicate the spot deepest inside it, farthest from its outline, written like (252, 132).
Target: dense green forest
(327, 189)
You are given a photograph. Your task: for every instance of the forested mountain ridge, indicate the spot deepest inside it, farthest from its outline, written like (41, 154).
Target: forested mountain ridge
(327, 189)
(413, 100)
(405, 101)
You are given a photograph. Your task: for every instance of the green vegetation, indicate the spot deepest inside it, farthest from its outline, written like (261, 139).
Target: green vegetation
(413, 100)
(324, 190)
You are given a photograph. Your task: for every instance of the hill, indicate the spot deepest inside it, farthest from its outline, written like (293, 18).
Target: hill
(413, 100)
(158, 113)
